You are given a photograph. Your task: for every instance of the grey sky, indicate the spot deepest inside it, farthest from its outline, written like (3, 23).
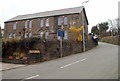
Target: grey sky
(97, 10)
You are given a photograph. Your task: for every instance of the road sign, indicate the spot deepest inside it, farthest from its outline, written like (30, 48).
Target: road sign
(61, 33)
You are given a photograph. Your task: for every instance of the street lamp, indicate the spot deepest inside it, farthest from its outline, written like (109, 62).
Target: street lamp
(83, 25)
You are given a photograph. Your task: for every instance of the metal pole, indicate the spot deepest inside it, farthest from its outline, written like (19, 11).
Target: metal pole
(61, 47)
(61, 38)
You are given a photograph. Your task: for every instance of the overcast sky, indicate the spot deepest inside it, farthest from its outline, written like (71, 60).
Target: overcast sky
(97, 10)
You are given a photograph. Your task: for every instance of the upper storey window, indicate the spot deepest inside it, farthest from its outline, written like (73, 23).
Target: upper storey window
(28, 24)
(14, 26)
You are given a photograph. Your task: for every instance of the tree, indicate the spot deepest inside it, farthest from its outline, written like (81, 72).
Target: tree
(103, 26)
(114, 26)
(100, 29)
(95, 30)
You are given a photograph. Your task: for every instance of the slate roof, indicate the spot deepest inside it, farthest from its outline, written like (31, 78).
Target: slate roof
(48, 13)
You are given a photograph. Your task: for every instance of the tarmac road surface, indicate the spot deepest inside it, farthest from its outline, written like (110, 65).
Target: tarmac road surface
(99, 63)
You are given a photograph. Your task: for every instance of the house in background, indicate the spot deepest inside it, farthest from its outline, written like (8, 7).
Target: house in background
(46, 24)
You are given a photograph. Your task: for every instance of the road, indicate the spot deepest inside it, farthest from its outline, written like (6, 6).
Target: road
(98, 63)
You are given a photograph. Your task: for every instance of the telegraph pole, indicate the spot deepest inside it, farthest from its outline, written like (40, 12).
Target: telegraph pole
(84, 26)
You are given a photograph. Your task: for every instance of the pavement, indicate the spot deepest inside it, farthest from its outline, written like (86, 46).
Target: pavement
(98, 63)
(9, 66)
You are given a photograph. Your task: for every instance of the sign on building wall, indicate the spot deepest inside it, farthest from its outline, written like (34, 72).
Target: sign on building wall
(34, 51)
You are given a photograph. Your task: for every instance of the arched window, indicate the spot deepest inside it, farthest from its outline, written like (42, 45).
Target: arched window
(30, 34)
(41, 34)
(46, 35)
(14, 35)
(10, 35)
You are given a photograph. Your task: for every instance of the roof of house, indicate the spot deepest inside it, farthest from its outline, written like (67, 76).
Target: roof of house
(48, 13)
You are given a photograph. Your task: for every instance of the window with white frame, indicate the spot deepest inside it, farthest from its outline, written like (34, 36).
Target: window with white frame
(47, 22)
(28, 24)
(30, 34)
(14, 35)
(10, 35)
(14, 26)
(46, 34)
(66, 35)
(58, 37)
(41, 34)
(41, 23)
(26, 35)
(59, 21)
(65, 20)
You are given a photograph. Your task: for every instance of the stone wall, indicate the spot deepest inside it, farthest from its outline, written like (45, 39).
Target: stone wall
(49, 49)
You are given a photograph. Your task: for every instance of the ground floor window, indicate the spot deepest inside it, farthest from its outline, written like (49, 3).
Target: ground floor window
(12, 35)
(41, 34)
(46, 35)
(58, 37)
(66, 35)
(30, 34)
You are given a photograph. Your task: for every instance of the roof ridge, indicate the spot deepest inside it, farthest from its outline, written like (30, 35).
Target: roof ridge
(48, 13)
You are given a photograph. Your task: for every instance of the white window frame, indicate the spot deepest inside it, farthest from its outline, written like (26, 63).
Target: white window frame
(26, 24)
(66, 35)
(30, 34)
(65, 20)
(41, 23)
(41, 34)
(58, 37)
(25, 35)
(10, 35)
(46, 34)
(14, 35)
(59, 21)
(30, 24)
(14, 26)
(47, 22)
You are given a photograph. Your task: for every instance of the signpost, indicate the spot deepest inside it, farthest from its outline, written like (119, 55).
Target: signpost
(61, 33)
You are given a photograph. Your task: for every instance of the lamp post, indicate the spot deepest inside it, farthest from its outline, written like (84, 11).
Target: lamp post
(84, 26)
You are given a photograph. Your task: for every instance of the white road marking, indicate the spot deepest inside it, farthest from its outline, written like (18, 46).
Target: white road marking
(19, 65)
(32, 77)
(29, 78)
(73, 63)
(12, 67)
